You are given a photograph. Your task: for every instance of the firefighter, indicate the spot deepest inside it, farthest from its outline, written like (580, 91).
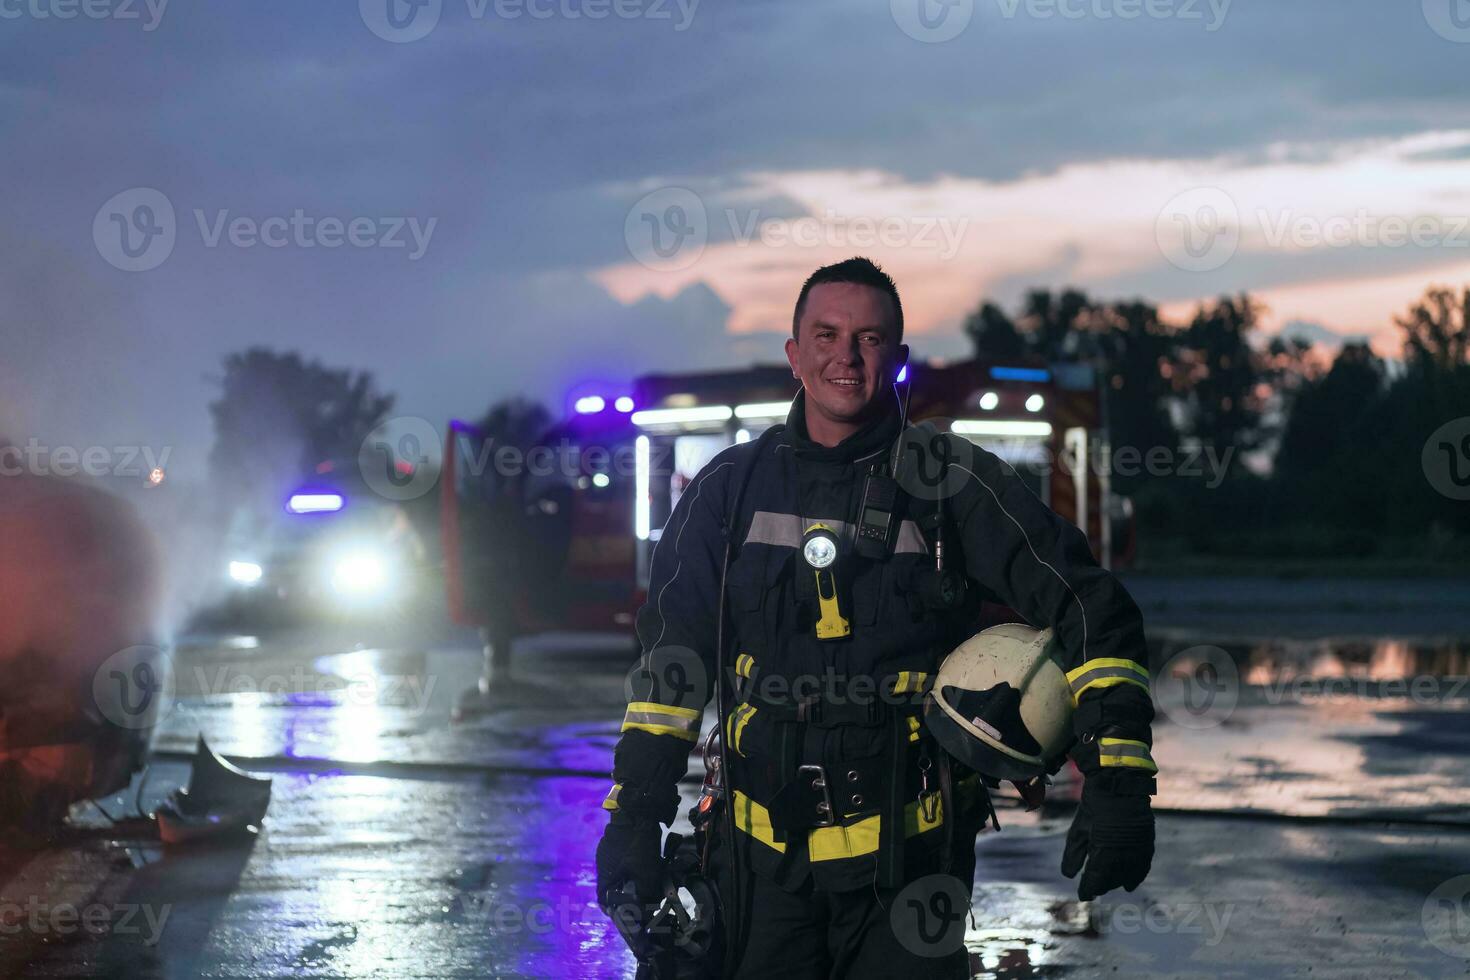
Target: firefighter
(792, 563)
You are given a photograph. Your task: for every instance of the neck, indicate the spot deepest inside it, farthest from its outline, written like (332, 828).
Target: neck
(827, 432)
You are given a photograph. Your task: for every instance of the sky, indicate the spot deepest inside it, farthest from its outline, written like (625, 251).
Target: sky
(478, 198)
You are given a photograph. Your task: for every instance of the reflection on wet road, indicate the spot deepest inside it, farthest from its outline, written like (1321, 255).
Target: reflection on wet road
(403, 843)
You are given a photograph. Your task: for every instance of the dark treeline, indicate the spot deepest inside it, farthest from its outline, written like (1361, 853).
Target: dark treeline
(1330, 455)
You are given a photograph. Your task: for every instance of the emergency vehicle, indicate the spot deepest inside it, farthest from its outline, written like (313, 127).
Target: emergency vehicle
(568, 536)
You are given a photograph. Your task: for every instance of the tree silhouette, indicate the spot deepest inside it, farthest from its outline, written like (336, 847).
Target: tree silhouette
(1437, 330)
(279, 416)
(994, 334)
(1222, 374)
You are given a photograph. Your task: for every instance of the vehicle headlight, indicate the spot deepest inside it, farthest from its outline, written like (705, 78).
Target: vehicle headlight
(245, 572)
(360, 573)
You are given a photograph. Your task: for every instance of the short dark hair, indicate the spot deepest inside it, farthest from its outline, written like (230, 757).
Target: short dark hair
(858, 270)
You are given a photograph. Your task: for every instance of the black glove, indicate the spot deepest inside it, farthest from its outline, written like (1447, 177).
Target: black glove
(629, 851)
(1113, 832)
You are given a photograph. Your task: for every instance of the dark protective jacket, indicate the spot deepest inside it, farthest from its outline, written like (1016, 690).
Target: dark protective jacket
(831, 771)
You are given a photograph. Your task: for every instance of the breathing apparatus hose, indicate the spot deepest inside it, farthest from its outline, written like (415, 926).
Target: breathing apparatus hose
(734, 921)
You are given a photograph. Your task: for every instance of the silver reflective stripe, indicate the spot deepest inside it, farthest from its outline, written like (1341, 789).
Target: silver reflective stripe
(786, 531)
(910, 540)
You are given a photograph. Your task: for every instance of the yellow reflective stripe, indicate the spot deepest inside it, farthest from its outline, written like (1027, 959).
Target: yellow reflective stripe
(663, 719)
(910, 681)
(673, 711)
(853, 840)
(914, 820)
(743, 665)
(1101, 672)
(755, 820)
(1126, 752)
(1100, 662)
(684, 733)
(743, 714)
(735, 724)
(913, 728)
(1101, 682)
(611, 803)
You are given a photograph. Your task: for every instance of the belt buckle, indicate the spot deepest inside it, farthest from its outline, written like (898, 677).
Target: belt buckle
(826, 816)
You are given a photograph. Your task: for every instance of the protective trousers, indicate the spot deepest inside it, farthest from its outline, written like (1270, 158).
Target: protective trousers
(915, 932)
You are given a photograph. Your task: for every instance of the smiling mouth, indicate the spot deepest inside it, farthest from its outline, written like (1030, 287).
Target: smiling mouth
(845, 382)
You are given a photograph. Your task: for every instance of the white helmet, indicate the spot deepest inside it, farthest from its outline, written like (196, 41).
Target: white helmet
(1001, 703)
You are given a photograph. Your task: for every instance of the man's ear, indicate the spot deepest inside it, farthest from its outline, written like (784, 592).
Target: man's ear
(792, 349)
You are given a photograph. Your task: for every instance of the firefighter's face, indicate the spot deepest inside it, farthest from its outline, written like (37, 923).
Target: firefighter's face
(846, 351)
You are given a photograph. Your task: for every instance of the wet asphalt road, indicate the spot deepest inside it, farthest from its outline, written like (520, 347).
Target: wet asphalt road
(1314, 821)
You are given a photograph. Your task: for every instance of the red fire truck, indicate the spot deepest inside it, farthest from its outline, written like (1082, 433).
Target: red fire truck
(560, 537)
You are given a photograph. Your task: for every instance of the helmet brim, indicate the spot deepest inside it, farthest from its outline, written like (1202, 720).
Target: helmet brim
(977, 749)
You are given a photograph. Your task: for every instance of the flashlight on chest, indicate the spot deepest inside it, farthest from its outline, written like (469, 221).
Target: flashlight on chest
(820, 548)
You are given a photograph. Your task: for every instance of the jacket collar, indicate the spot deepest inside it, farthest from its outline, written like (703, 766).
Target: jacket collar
(873, 438)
